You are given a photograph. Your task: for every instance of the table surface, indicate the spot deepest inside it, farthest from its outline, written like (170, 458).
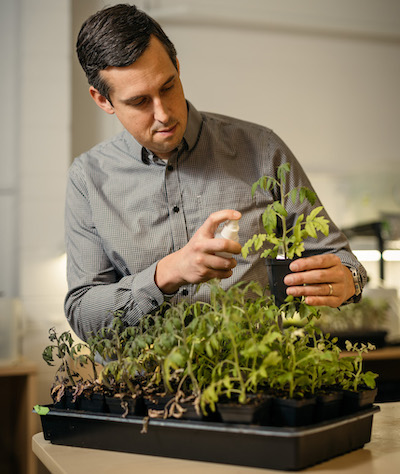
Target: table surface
(380, 455)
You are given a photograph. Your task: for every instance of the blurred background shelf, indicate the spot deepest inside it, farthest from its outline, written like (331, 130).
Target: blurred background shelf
(18, 384)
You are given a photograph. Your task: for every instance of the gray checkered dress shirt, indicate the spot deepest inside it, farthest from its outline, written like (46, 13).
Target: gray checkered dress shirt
(126, 210)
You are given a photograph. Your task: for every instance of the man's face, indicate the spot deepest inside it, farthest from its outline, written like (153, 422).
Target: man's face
(148, 99)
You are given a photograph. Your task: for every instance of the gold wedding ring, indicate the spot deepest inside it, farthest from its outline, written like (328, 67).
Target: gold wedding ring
(330, 289)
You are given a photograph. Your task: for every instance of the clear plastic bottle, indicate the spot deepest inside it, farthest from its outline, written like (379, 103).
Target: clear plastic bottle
(229, 231)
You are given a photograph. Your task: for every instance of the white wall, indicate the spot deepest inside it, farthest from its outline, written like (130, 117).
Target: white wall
(39, 130)
(9, 35)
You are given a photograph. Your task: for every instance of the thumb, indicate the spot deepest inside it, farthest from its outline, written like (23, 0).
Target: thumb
(215, 219)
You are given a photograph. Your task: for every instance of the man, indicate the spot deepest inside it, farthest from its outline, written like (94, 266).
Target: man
(142, 208)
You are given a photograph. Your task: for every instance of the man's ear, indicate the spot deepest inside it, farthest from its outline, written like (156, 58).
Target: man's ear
(178, 67)
(101, 101)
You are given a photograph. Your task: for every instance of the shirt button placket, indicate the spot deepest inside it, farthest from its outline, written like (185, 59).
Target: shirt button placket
(174, 198)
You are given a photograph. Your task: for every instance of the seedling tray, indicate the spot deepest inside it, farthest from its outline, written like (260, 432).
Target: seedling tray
(246, 445)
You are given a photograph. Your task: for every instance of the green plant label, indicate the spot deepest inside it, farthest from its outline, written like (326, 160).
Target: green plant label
(40, 410)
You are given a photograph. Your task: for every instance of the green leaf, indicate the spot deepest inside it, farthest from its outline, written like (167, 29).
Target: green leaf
(268, 252)
(48, 355)
(281, 172)
(265, 182)
(311, 196)
(259, 242)
(271, 182)
(269, 219)
(297, 231)
(279, 208)
(293, 195)
(209, 350)
(313, 214)
(254, 189)
(310, 228)
(177, 359)
(322, 225)
(369, 379)
(302, 194)
(41, 410)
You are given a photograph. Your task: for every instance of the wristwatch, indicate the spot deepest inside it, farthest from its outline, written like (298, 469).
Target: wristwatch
(356, 280)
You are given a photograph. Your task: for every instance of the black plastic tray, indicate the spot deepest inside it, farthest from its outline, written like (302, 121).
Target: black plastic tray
(246, 445)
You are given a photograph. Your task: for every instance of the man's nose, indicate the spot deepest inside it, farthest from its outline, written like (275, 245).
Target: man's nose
(161, 113)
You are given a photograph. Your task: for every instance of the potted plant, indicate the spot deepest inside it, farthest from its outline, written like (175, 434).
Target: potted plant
(172, 388)
(285, 242)
(209, 360)
(70, 388)
(234, 359)
(64, 389)
(238, 360)
(359, 387)
(119, 374)
(89, 391)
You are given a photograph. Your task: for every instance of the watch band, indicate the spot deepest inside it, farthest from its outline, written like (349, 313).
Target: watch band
(356, 279)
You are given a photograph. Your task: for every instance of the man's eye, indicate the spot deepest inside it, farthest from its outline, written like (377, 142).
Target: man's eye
(166, 89)
(139, 103)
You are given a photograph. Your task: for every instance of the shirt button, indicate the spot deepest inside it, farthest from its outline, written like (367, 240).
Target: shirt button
(175, 209)
(185, 292)
(170, 168)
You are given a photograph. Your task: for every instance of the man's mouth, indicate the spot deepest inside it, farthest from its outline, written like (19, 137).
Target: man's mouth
(167, 131)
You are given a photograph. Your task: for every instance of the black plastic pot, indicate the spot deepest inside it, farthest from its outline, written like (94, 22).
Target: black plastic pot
(156, 402)
(190, 413)
(127, 406)
(70, 402)
(93, 402)
(293, 412)
(276, 271)
(328, 406)
(355, 401)
(256, 412)
(58, 405)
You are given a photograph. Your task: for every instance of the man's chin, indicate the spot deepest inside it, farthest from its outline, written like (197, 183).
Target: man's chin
(168, 149)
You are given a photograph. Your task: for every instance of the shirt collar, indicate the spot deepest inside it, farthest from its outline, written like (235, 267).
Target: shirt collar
(190, 137)
(193, 127)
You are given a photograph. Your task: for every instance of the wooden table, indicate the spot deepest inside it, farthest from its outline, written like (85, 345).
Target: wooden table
(17, 396)
(381, 455)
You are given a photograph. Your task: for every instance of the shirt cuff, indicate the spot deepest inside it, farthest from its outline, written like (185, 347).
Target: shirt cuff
(145, 292)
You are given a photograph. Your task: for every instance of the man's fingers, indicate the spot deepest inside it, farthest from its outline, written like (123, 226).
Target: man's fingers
(210, 226)
(316, 261)
(310, 277)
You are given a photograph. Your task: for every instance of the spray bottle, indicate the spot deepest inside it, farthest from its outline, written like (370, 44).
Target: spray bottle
(229, 231)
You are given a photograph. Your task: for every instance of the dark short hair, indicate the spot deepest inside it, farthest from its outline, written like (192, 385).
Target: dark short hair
(116, 36)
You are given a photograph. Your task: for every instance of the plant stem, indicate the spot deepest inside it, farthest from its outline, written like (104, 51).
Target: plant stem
(283, 219)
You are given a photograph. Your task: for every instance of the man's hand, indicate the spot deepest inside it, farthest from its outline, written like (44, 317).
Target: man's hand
(322, 279)
(197, 262)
